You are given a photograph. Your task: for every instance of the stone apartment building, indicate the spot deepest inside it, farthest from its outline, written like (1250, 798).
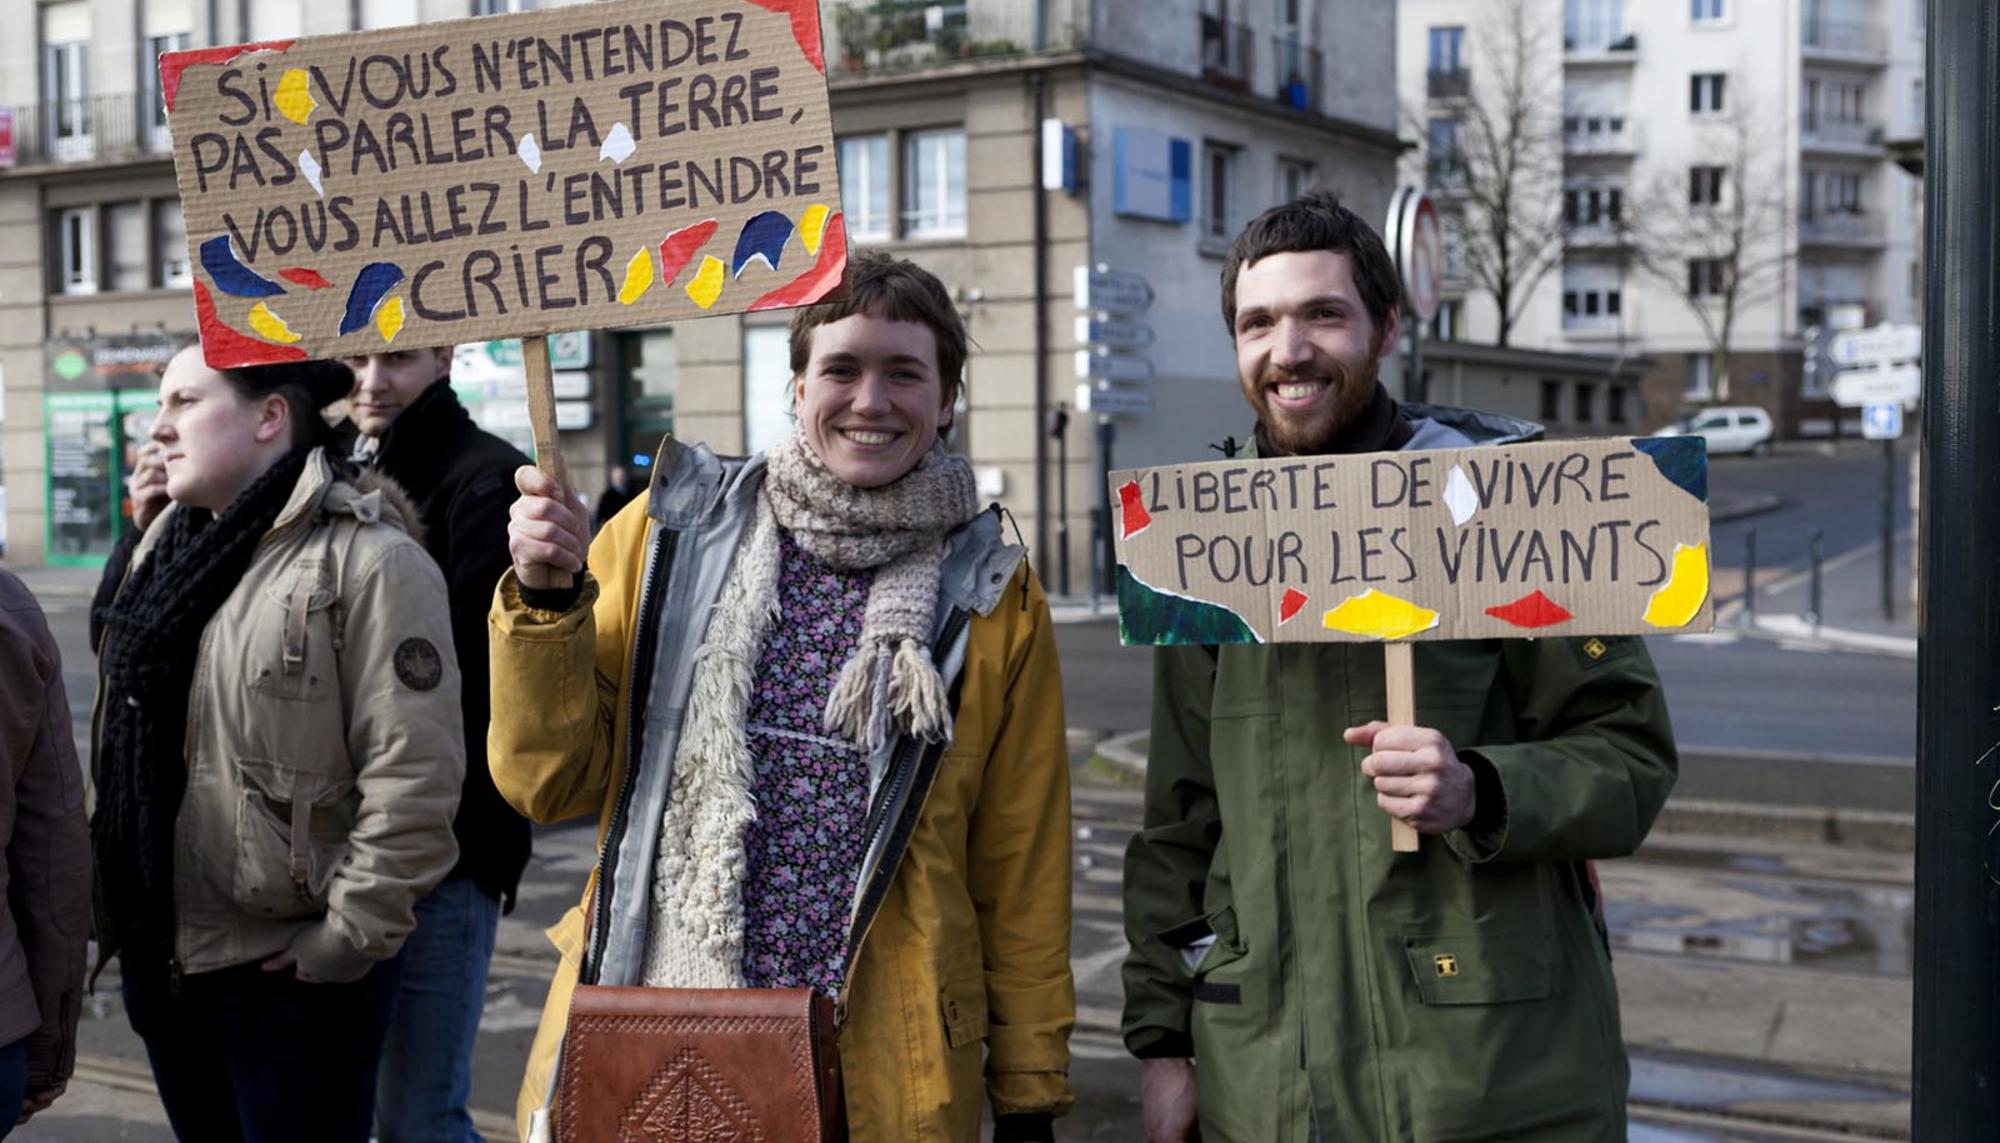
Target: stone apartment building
(1644, 100)
(1170, 123)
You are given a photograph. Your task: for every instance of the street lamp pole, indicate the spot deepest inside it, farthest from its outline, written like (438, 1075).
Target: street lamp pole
(1956, 1049)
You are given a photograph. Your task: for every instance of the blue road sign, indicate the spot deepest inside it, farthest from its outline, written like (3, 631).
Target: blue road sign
(1883, 422)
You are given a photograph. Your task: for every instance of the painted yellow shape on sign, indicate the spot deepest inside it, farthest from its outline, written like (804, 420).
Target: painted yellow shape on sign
(707, 284)
(270, 326)
(812, 227)
(389, 319)
(1679, 600)
(1379, 615)
(638, 278)
(294, 97)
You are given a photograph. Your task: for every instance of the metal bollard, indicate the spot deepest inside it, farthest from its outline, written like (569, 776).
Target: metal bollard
(1750, 577)
(1818, 557)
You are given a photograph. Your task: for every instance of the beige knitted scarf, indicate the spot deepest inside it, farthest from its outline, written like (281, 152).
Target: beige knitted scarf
(695, 939)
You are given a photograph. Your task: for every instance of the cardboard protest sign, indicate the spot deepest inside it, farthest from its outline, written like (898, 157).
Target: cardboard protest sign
(1597, 537)
(590, 166)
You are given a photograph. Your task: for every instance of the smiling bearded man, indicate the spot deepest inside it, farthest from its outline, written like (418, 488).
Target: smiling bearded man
(1290, 976)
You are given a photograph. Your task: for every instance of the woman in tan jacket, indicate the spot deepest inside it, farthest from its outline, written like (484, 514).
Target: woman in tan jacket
(278, 758)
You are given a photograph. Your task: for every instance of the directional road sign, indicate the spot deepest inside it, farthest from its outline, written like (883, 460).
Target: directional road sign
(1882, 345)
(1101, 365)
(1111, 333)
(1111, 291)
(1858, 388)
(1111, 401)
(1882, 422)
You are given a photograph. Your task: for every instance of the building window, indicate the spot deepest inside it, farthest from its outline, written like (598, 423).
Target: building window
(1707, 11)
(66, 93)
(1552, 394)
(934, 183)
(1591, 206)
(1700, 377)
(1446, 161)
(1592, 307)
(1593, 25)
(1447, 50)
(1617, 402)
(502, 7)
(1218, 186)
(864, 186)
(1295, 177)
(277, 20)
(156, 46)
(1705, 93)
(767, 391)
(1917, 104)
(76, 239)
(1586, 403)
(1705, 186)
(1706, 277)
(387, 13)
(125, 245)
(1444, 325)
(170, 247)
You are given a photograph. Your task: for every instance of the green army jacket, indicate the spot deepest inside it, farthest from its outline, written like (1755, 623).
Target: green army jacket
(1463, 992)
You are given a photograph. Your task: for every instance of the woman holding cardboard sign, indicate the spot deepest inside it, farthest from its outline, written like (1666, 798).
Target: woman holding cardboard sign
(813, 699)
(278, 756)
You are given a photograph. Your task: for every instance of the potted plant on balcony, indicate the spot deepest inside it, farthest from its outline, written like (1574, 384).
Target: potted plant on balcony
(851, 25)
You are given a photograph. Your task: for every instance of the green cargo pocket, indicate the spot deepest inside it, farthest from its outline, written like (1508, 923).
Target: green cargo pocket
(1481, 968)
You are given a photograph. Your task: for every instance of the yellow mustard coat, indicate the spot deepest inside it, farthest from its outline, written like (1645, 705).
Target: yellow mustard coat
(964, 974)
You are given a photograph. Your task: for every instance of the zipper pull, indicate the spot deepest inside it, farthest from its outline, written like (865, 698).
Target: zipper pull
(173, 978)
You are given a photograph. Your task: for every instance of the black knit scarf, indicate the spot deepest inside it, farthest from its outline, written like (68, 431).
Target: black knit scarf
(153, 632)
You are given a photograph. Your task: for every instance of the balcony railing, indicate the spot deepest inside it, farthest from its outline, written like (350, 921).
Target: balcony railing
(1840, 228)
(1606, 141)
(87, 130)
(1846, 37)
(1840, 133)
(1603, 232)
(1616, 49)
(1298, 70)
(1453, 84)
(1598, 323)
(888, 36)
(1225, 51)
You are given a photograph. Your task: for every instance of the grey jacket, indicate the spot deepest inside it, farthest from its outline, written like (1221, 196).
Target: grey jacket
(45, 875)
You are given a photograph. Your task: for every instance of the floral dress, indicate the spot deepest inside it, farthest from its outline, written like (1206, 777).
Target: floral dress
(805, 846)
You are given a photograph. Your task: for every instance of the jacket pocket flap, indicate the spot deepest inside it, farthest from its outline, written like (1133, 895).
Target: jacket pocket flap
(1481, 968)
(964, 1008)
(282, 783)
(1205, 942)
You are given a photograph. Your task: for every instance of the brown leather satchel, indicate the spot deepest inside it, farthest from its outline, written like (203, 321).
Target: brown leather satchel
(690, 1065)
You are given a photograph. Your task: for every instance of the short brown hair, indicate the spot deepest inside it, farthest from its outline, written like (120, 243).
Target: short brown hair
(894, 290)
(1316, 221)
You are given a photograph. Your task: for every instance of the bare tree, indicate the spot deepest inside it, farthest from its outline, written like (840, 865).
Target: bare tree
(1500, 191)
(1712, 230)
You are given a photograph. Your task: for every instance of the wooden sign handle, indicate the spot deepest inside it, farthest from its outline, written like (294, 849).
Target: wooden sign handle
(542, 421)
(1400, 669)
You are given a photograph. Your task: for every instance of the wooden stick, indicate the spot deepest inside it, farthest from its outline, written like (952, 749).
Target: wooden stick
(542, 421)
(1401, 672)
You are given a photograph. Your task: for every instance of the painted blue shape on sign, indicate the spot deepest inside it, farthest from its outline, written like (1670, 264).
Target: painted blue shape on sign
(1152, 175)
(1683, 460)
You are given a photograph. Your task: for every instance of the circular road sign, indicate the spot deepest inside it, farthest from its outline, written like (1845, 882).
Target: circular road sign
(1419, 249)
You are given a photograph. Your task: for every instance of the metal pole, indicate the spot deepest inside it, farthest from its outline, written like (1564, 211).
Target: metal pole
(1417, 390)
(1888, 530)
(1750, 577)
(1956, 1049)
(1818, 556)
(1039, 104)
(1957, 1012)
(1059, 429)
(1107, 435)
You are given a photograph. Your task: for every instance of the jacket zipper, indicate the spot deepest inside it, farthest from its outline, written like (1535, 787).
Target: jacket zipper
(901, 774)
(642, 671)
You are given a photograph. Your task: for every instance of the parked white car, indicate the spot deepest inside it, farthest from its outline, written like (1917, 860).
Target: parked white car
(1728, 429)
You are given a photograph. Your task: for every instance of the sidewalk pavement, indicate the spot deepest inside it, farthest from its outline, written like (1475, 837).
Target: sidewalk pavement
(1850, 615)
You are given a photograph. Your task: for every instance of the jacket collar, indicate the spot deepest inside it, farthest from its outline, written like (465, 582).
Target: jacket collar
(414, 447)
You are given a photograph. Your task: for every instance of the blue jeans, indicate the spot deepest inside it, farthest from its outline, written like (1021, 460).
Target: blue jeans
(427, 1064)
(13, 1083)
(241, 1055)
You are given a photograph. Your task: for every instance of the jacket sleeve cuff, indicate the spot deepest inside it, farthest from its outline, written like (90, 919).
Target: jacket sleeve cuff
(327, 955)
(1159, 1044)
(556, 599)
(1025, 1127)
(1482, 838)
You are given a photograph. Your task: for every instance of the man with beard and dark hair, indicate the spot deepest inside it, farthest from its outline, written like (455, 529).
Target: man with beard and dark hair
(1291, 977)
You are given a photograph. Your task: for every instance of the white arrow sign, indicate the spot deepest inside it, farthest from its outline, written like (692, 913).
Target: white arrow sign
(1112, 291)
(1859, 388)
(1882, 345)
(1112, 333)
(1112, 402)
(1099, 365)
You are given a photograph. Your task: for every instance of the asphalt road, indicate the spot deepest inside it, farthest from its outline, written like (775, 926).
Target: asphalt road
(1838, 494)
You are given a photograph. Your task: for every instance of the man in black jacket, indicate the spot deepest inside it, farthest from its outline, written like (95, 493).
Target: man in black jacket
(405, 420)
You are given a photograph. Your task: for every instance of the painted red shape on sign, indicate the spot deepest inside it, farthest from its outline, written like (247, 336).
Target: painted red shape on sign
(817, 282)
(221, 343)
(681, 246)
(805, 26)
(1132, 505)
(1293, 603)
(173, 63)
(1532, 610)
(301, 276)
